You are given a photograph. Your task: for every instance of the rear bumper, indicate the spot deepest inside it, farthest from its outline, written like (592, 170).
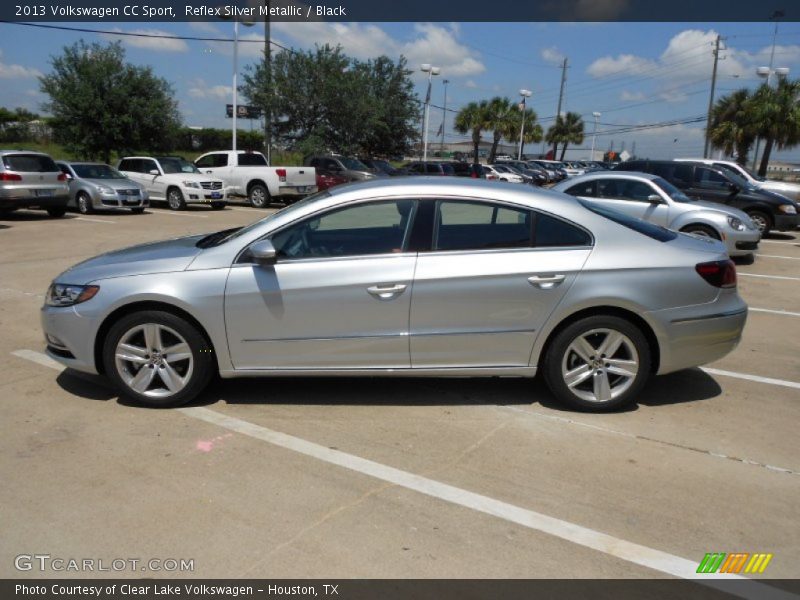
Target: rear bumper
(31, 202)
(296, 190)
(786, 222)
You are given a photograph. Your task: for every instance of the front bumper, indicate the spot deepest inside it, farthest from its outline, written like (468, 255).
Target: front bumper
(69, 337)
(786, 222)
(203, 196)
(741, 243)
(119, 202)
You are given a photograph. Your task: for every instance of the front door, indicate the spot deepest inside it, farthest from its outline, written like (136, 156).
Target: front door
(493, 276)
(632, 197)
(337, 297)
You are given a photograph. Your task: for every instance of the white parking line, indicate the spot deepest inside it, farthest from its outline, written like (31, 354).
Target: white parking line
(39, 359)
(644, 556)
(776, 256)
(94, 220)
(794, 243)
(757, 378)
(740, 274)
(774, 312)
(178, 214)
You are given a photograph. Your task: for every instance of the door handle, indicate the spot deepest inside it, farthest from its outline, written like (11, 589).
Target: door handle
(546, 282)
(387, 292)
(209, 172)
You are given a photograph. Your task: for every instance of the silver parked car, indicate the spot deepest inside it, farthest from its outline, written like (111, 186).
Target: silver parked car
(31, 180)
(405, 277)
(96, 186)
(654, 199)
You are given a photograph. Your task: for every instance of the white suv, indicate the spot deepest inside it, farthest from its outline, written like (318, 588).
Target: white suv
(174, 180)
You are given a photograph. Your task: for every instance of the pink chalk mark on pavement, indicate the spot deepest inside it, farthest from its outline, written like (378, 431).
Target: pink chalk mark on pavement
(208, 445)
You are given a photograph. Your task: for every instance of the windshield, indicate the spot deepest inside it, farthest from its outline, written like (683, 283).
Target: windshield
(671, 190)
(739, 180)
(737, 170)
(222, 237)
(96, 172)
(354, 164)
(177, 165)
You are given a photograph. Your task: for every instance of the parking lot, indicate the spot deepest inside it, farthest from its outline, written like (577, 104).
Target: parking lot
(393, 478)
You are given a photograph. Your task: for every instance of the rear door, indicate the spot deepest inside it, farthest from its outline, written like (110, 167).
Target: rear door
(708, 184)
(491, 277)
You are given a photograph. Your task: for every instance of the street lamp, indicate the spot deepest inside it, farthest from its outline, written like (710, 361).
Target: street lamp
(525, 95)
(596, 116)
(225, 16)
(431, 71)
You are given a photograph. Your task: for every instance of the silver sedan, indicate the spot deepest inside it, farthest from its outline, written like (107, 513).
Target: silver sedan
(411, 277)
(654, 199)
(97, 186)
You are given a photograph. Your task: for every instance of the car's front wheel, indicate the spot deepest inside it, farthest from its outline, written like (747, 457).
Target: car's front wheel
(84, 203)
(175, 199)
(761, 220)
(598, 363)
(157, 359)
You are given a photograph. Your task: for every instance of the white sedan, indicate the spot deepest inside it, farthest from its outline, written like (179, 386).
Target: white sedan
(503, 173)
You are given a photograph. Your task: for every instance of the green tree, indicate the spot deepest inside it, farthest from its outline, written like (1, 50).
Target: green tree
(324, 100)
(776, 118)
(473, 119)
(532, 132)
(498, 119)
(568, 129)
(101, 104)
(732, 129)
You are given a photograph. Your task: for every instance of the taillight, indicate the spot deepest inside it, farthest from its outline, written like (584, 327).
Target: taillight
(474, 175)
(62, 177)
(10, 177)
(720, 273)
(281, 174)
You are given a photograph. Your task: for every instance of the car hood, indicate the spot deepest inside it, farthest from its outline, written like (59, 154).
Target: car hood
(115, 184)
(145, 259)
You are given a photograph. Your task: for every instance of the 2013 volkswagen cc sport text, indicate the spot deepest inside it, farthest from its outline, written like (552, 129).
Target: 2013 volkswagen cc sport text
(418, 277)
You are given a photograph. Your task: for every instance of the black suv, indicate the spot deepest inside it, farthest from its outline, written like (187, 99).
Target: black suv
(768, 210)
(419, 167)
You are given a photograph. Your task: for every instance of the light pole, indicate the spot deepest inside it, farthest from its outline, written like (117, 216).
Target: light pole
(444, 114)
(235, 72)
(431, 71)
(525, 95)
(596, 116)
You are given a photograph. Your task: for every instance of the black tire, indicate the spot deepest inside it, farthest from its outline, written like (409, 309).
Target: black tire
(6, 212)
(762, 221)
(218, 205)
(175, 199)
(559, 357)
(137, 211)
(57, 211)
(84, 203)
(704, 230)
(258, 196)
(202, 362)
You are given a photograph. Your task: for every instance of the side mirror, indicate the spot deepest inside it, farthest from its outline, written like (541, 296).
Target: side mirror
(153, 172)
(654, 199)
(264, 253)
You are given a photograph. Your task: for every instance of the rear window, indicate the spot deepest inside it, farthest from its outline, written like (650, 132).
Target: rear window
(252, 160)
(30, 163)
(655, 232)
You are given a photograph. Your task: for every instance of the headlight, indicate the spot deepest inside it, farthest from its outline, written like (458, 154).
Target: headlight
(191, 184)
(105, 190)
(736, 224)
(788, 209)
(61, 294)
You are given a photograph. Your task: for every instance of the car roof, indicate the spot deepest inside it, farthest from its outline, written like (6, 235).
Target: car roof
(23, 152)
(81, 162)
(595, 175)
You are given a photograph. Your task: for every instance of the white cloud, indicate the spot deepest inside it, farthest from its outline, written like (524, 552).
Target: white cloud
(627, 96)
(201, 90)
(160, 44)
(16, 71)
(552, 55)
(470, 84)
(623, 64)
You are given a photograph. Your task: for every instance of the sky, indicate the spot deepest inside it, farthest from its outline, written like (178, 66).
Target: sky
(634, 74)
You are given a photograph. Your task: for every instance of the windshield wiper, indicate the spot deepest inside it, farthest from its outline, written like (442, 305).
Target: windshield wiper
(215, 238)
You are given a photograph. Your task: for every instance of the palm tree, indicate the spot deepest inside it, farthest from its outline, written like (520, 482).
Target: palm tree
(568, 129)
(732, 129)
(473, 118)
(500, 115)
(776, 117)
(532, 131)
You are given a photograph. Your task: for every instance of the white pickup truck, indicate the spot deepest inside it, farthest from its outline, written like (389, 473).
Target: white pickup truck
(248, 175)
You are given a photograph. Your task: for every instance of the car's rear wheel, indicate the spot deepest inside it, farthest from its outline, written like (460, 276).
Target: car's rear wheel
(57, 211)
(175, 199)
(702, 230)
(258, 195)
(157, 359)
(84, 203)
(598, 363)
(761, 220)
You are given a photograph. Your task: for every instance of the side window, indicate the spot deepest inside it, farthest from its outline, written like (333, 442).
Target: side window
(709, 179)
(479, 226)
(681, 176)
(586, 189)
(636, 191)
(65, 170)
(550, 232)
(431, 168)
(207, 162)
(145, 166)
(127, 165)
(364, 229)
(315, 162)
(611, 188)
(331, 165)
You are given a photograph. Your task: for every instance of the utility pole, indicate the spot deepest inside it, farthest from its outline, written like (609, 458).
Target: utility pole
(444, 115)
(560, 99)
(268, 68)
(711, 97)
